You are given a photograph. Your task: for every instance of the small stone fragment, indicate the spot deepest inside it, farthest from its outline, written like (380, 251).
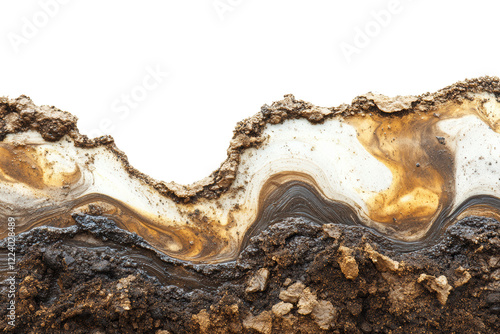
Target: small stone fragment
(124, 283)
(293, 293)
(438, 284)
(494, 262)
(464, 276)
(24, 293)
(332, 231)
(282, 308)
(203, 320)
(391, 104)
(258, 282)
(382, 262)
(347, 263)
(262, 323)
(315, 114)
(307, 301)
(124, 304)
(324, 314)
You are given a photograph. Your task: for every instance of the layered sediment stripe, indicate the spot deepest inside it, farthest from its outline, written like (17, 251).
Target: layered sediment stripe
(405, 170)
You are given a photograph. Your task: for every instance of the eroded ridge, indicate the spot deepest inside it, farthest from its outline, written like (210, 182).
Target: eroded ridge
(406, 167)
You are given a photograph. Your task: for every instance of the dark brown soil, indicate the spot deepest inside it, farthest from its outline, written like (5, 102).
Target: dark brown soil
(95, 278)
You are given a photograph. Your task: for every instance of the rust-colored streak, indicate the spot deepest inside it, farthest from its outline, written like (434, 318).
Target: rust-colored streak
(412, 147)
(182, 242)
(19, 164)
(24, 164)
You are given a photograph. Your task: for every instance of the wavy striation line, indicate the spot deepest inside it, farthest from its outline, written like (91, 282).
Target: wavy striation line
(406, 168)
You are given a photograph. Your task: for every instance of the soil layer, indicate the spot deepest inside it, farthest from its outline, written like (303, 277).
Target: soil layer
(293, 277)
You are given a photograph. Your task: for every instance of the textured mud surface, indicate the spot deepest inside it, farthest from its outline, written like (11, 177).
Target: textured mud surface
(377, 217)
(294, 277)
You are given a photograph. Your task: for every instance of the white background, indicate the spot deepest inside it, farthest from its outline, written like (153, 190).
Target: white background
(225, 59)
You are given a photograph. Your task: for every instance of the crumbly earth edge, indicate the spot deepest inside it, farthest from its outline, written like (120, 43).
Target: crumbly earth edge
(21, 114)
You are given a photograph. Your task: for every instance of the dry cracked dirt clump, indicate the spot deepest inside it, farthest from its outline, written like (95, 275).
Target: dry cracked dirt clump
(294, 277)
